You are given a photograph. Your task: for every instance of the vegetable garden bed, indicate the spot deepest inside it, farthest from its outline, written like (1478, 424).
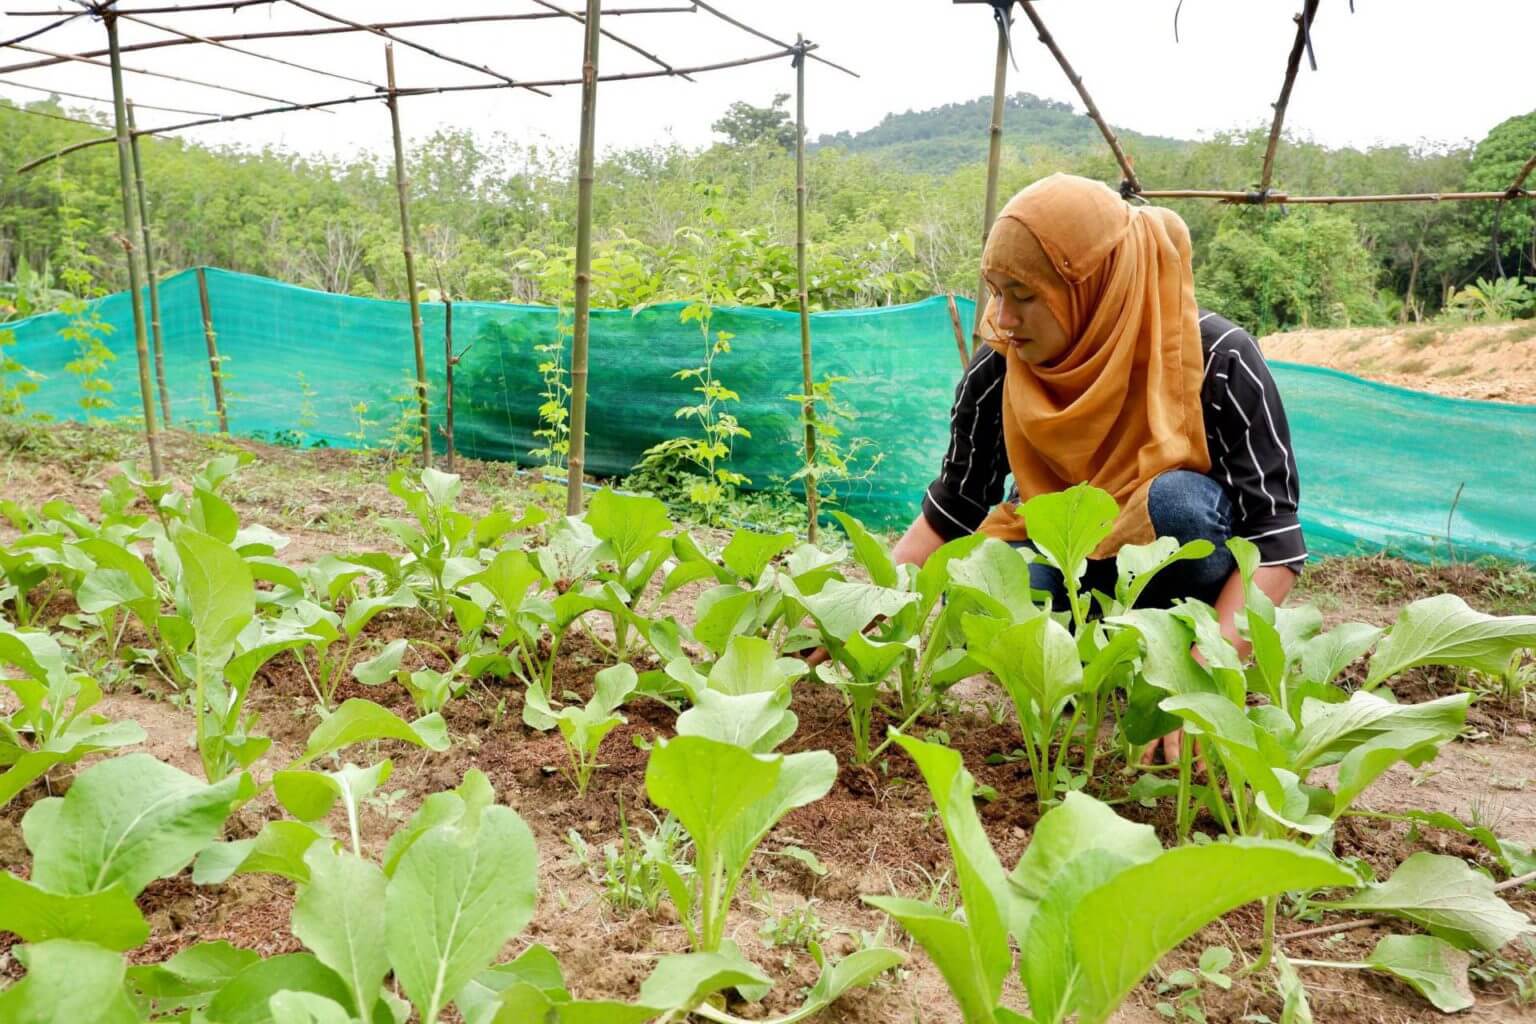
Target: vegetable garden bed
(433, 651)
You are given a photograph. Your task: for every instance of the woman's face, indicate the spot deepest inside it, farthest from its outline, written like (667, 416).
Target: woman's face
(1025, 321)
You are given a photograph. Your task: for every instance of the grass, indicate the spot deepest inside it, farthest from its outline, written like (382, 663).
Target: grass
(1458, 370)
(1521, 331)
(1412, 366)
(1422, 338)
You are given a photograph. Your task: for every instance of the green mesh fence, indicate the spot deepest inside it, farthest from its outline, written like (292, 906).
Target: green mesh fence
(1381, 467)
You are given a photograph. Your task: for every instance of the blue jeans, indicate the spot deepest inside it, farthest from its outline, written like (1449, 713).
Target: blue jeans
(1184, 505)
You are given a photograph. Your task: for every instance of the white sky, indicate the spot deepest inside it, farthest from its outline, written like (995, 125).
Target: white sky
(1395, 71)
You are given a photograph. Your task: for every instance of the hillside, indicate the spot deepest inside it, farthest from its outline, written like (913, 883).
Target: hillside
(940, 139)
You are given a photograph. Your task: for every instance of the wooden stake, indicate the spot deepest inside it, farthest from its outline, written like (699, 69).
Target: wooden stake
(576, 462)
(808, 408)
(402, 189)
(994, 155)
(131, 231)
(954, 319)
(151, 276)
(215, 369)
(449, 361)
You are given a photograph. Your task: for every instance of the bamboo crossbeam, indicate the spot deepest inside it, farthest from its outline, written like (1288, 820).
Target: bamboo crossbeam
(576, 456)
(1280, 198)
(711, 9)
(99, 99)
(1293, 63)
(429, 51)
(808, 403)
(1082, 91)
(158, 74)
(131, 230)
(1525, 172)
(195, 38)
(8, 108)
(64, 20)
(413, 91)
(581, 19)
(402, 190)
(246, 37)
(227, 5)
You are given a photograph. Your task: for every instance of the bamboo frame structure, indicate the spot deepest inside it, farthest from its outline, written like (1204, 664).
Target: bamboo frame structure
(402, 191)
(215, 363)
(954, 320)
(131, 232)
(156, 337)
(449, 362)
(576, 456)
(1292, 64)
(808, 404)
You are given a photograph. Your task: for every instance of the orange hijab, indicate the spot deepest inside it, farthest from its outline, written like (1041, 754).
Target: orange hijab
(1122, 404)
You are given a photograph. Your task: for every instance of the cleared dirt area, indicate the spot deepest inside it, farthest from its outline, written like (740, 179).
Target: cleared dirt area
(1488, 362)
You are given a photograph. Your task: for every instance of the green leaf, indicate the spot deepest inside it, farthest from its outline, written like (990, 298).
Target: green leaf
(748, 553)
(1068, 525)
(950, 945)
(220, 593)
(1075, 826)
(1295, 1009)
(192, 975)
(1036, 661)
(996, 576)
(1433, 967)
(77, 982)
(339, 916)
(80, 739)
(1166, 661)
(461, 805)
(381, 668)
(132, 820)
(750, 665)
(359, 720)
(1330, 731)
(708, 785)
(853, 971)
(459, 893)
(629, 524)
(757, 722)
(278, 849)
(108, 918)
(362, 610)
(870, 552)
(310, 795)
(1138, 564)
(1448, 898)
(1122, 928)
(306, 1008)
(535, 968)
(843, 609)
(683, 981)
(1442, 630)
(1325, 656)
(244, 1000)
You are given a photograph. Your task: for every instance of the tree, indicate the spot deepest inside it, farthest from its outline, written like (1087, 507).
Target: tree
(743, 124)
(1496, 161)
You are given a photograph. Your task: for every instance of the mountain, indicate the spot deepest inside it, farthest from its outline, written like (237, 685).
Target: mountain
(943, 138)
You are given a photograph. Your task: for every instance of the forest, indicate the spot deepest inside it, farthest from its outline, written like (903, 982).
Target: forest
(495, 214)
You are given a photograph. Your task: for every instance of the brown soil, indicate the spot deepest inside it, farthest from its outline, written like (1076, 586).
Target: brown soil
(875, 831)
(1490, 362)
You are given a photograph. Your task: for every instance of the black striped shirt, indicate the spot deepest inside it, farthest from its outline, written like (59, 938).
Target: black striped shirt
(1245, 430)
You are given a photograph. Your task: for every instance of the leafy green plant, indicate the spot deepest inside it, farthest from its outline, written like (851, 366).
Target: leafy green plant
(87, 330)
(633, 533)
(1094, 903)
(630, 875)
(1185, 985)
(727, 798)
(1498, 299)
(585, 727)
(840, 460)
(16, 381)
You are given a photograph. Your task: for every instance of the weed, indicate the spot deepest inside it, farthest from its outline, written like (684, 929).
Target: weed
(797, 927)
(1523, 331)
(1421, 338)
(1412, 366)
(1185, 986)
(1456, 370)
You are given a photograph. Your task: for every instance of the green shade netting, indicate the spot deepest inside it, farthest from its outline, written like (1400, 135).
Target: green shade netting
(1381, 467)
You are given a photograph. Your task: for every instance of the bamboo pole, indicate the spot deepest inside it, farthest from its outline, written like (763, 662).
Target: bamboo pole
(150, 275)
(1003, 15)
(215, 364)
(576, 460)
(954, 320)
(131, 231)
(627, 44)
(1293, 62)
(808, 408)
(1129, 175)
(449, 362)
(1273, 198)
(402, 189)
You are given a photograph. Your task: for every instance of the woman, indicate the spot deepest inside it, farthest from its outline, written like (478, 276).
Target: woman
(1099, 367)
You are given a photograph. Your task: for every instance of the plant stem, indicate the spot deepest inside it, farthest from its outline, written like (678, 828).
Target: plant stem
(1184, 811)
(1267, 950)
(1066, 741)
(902, 728)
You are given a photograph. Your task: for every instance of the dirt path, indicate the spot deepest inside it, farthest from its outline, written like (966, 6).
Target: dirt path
(1492, 362)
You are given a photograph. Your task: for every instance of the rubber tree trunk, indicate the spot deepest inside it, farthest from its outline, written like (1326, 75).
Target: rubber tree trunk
(131, 232)
(808, 411)
(150, 274)
(994, 157)
(214, 366)
(402, 189)
(576, 462)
